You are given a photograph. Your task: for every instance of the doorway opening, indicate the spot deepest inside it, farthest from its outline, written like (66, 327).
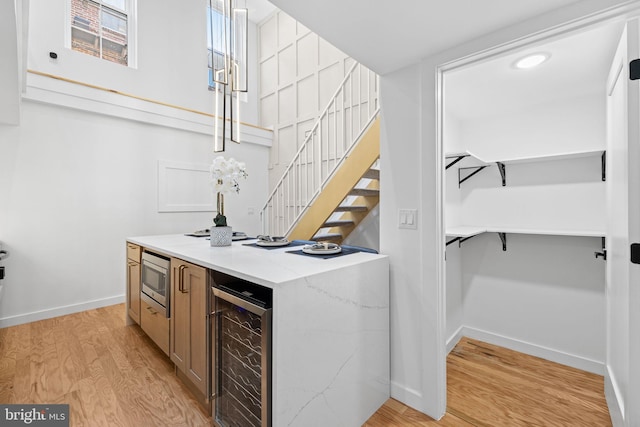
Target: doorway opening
(525, 197)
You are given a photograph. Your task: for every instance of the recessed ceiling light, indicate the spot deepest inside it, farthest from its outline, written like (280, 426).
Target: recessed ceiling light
(531, 61)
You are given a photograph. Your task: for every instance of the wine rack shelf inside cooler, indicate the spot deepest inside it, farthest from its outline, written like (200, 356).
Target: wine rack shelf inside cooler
(240, 369)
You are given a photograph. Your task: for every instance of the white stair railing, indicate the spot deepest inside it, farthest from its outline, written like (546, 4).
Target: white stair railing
(347, 116)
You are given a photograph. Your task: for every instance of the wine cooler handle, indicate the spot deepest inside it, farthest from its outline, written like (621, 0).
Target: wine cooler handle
(239, 302)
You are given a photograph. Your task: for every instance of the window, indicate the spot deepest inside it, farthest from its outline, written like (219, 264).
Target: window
(101, 28)
(215, 38)
(227, 28)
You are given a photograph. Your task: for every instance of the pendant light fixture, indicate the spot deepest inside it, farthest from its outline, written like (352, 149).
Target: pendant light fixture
(229, 34)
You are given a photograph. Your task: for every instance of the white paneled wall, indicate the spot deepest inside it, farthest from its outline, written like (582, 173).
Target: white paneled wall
(299, 73)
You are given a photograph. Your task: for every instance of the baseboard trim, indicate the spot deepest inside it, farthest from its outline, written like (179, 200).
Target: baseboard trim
(611, 393)
(454, 339)
(406, 395)
(547, 353)
(59, 311)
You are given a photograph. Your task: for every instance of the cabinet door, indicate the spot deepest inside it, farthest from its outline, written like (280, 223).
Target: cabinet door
(179, 323)
(195, 283)
(133, 252)
(133, 290)
(155, 325)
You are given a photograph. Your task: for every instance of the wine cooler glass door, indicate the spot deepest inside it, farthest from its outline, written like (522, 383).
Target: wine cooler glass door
(242, 362)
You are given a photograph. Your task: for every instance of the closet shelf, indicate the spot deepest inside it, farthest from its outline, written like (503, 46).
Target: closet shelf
(543, 158)
(464, 232)
(471, 230)
(547, 231)
(480, 163)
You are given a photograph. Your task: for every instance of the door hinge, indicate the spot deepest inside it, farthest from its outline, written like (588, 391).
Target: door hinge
(634, 69)
(635, 253)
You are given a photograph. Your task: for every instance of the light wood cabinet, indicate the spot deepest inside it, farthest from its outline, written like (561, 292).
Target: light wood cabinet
(155, 324)
(133, 281)
(189, 321)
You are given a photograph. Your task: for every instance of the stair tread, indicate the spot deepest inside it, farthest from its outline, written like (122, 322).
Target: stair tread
(327, 236)
(364, 192)
(352, 208)
(372, 174)
(338, 223)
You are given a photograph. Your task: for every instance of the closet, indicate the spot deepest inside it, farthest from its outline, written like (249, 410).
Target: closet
(525, 199)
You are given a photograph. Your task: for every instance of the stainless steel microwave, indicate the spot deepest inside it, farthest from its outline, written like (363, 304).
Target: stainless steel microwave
(156, 280)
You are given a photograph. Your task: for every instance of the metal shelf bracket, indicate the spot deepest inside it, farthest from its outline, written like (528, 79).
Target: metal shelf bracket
(453, 241)
(476, 170)
(602, 254)
(460, 240)
(457, 159)
(503, 172)
(503, 238)
(465, 239)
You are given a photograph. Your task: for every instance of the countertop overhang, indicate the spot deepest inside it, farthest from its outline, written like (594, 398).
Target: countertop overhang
(266, 267)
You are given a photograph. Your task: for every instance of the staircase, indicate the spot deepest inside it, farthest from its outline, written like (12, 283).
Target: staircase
(332, 182)
(348, 197)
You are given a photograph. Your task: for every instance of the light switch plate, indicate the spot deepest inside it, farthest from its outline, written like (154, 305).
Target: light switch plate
(408, 218)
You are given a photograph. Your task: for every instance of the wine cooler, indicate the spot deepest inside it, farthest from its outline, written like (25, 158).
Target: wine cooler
(241, 352)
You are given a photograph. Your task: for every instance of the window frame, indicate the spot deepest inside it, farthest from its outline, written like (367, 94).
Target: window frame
(211, 49)
(130, 13)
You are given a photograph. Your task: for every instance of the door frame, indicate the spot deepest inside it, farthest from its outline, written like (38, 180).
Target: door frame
(621, 13)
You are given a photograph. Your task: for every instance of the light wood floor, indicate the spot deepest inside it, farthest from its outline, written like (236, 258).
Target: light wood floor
(113, 375)
(490, 386)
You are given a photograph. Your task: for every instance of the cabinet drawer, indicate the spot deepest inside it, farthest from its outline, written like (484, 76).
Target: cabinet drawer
(155, 325)
(133, 252)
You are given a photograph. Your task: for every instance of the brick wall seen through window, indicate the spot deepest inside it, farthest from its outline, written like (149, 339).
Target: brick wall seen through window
(100, 28)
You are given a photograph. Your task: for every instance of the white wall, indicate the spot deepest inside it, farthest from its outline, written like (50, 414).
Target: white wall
(367, 232)
(299, 73)
(10, 36)
(403, 182)
(567, 125)
(558, 194)
(171, 65)
(74, 184)
(453, 291)
(544, 296)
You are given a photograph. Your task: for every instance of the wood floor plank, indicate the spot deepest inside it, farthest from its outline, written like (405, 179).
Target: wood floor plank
(112, 374)
(38, 380)
(52, 365)
(7, 363)
(532, 391)
(396, 414)
(22, 377)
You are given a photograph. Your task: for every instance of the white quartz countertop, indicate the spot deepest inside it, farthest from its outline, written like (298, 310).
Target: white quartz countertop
(266, 267)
